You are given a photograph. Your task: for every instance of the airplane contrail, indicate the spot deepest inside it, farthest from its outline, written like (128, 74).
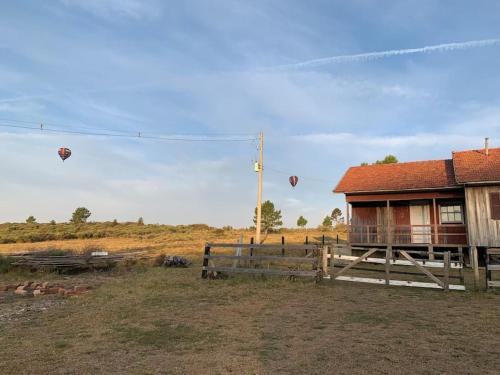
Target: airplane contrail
(362, 57)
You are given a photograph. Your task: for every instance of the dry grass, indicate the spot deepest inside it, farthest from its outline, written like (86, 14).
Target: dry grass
(183, 243)
(149, 320)
(169, 321)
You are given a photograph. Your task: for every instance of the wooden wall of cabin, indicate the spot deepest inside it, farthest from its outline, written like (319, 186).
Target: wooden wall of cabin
(482, 230)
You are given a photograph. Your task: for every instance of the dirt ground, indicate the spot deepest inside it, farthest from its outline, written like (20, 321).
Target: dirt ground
(151, 320)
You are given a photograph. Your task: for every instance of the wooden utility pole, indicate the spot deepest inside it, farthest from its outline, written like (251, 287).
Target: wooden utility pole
(259, 190)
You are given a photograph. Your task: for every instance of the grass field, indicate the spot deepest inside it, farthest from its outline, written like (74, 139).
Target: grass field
(151, 320)
(181, 240)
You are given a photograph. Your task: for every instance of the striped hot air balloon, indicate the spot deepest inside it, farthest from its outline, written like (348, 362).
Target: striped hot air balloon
(293, 180)
(64, 153)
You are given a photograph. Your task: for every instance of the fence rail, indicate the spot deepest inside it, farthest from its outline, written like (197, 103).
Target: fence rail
(448, 234)
(252, 263)
(450, 261)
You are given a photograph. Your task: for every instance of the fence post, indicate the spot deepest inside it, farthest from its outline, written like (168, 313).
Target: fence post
(307, 242)
(487, 270)
(337, 238)
(324, 252)
(237, 252)
(323, 240)
(462, 264)
(332, 264)
(446, 270)
(318, 263)
(475, 266)
(388, 256)
(204, 272)
(283, 249)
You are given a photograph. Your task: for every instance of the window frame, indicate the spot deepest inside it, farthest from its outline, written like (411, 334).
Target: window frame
(454, 212)
(494, 214)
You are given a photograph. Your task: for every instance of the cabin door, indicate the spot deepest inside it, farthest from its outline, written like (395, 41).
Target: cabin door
(420, 220)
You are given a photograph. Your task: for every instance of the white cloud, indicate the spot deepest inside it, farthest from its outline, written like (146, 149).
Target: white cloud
(452, 141)
(363, 57)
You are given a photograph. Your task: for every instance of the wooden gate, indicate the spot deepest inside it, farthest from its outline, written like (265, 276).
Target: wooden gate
(399, 259)
(301, 261)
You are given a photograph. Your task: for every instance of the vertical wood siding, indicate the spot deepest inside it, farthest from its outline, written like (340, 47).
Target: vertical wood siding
(483, 231)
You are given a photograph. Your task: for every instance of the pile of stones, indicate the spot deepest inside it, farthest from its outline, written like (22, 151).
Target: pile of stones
(172, 261)
(30, 288)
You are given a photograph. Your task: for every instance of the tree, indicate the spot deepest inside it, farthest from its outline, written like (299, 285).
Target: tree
(364, 164)
(336, 214)
(140, 221)
(114, 222)
(389, 159)
(80, 215)
(52, 222)
(301, 222)
(31, 220)
(327, 222)
(270, 218)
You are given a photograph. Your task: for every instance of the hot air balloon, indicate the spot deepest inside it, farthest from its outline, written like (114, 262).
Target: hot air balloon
(293, 180)
(64, 153)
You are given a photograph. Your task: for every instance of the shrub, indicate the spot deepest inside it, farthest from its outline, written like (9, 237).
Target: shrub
(6, 264)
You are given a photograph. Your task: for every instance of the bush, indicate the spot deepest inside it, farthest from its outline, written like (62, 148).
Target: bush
(6, 264)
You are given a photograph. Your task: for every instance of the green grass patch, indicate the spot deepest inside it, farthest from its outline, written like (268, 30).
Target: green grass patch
(162, 335)
(61, 344)
(360, 317)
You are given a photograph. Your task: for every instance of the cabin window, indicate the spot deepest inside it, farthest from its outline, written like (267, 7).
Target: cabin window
(451, 214)
(495, 205)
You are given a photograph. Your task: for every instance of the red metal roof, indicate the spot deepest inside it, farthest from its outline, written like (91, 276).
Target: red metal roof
(475, 166)
(430, 174)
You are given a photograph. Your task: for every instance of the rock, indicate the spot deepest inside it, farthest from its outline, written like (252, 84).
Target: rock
(21, 292)
(27, 283)
(38, 292)
(45, 284)
(173, 261)
(21, 287)
(61, 291)
(51, 290)
(81, 288)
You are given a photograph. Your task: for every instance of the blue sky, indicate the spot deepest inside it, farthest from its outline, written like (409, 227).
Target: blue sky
(198, 67)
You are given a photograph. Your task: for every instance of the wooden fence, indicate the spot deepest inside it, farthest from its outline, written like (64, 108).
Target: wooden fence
(396, 258)
(492, 263)
(264, 260)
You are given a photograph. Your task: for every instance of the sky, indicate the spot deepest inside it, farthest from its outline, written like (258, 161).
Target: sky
(233, 68)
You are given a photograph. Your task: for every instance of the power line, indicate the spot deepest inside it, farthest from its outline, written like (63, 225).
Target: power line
(64, 127)
(180, 138)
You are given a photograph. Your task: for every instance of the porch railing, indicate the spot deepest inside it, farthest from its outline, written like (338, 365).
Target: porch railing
(445, 234)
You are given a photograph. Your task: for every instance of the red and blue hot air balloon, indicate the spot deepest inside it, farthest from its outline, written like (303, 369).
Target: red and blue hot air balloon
(64, 153)
(293, 180)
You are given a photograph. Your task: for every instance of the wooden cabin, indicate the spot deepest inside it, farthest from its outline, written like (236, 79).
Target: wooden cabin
(449, 204)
